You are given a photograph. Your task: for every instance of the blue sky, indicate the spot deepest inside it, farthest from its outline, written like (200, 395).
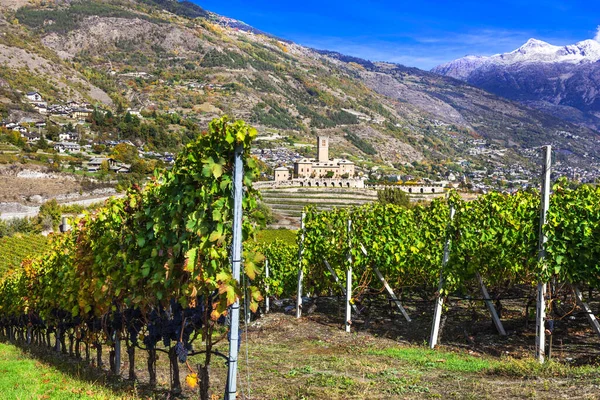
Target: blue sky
(419, 33)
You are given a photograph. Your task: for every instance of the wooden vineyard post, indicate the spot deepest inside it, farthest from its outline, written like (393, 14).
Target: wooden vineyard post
(117, 352)
(57, 344)
(388, 288)
(300, 269)
(490, 306)
(349, 281)
(439, 300)
(236, 259)
(540, 316)
(267, 287)
(588, 312)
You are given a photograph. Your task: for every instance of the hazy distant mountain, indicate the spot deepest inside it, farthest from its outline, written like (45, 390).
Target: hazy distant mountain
(562, 80)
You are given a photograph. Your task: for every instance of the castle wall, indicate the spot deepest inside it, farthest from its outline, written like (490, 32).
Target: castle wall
(311, 182)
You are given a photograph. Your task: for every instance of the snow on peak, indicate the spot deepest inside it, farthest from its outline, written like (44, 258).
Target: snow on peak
(533, 51)
(590, 49)
(537, 51)
(533, 42)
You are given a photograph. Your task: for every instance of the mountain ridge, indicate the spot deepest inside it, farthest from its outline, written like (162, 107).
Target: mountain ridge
(146, 58)
(561, 80)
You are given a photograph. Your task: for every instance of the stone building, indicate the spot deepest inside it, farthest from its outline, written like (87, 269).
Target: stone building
(323, 167)
(282, 174)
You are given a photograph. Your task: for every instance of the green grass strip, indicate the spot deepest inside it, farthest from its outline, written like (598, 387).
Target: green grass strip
(22, 377)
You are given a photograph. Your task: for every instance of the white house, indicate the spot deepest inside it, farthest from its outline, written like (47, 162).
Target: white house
(68, 136)
(34, 97)
(32, 137)
(95, 163)
(62, 147)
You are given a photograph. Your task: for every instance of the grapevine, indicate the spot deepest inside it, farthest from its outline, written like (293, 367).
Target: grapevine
(153, 265)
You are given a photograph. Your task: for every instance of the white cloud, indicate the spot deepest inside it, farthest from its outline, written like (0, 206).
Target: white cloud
(597, 37)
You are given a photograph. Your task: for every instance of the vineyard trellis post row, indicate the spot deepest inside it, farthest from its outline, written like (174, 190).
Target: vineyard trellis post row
(540, 341)
(300, 269)
(439, 301)
(349, 280)
(236, 259)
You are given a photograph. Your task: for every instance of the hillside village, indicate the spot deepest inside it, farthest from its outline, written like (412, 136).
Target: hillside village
(74, 138)
(275, 154)
(385, 119)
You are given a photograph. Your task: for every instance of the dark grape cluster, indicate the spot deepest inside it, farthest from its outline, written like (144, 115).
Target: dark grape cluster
(134, 324)
(181, 351)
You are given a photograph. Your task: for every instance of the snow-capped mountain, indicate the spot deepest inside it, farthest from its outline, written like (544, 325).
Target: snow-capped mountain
(532, 52)
(563, 80)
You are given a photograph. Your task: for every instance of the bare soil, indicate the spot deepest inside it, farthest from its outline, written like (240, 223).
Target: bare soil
(17, 189)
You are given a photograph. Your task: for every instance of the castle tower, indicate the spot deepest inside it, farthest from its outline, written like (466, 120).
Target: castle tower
(322, 149)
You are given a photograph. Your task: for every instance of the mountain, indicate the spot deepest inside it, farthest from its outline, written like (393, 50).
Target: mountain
(560, 80)
(174, 63)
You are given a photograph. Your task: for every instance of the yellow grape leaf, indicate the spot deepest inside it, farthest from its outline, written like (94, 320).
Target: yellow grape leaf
(250, 269)
(223, 276)
(192, 380)
(252, 132)
(215, 235)
(256, 295)
(216, 313)
(190, 259)
(253, 306)
(259, 257)
(217, 170)
(229, 290)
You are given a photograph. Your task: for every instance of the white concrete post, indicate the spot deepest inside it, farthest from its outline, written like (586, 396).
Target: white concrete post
(349, 282)
(540, 319)
(236, 260)
(300, 269)
(439, 301)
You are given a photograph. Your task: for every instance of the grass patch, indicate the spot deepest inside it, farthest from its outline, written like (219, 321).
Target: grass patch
(427, 359)
(530, 367)
(434, 359)
(24, 378)
(328, 380)
(270, 235)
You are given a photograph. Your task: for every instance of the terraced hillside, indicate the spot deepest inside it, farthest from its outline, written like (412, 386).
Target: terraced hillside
(287, 204)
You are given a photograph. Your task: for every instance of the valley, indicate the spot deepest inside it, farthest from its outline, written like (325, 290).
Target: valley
(147, 75)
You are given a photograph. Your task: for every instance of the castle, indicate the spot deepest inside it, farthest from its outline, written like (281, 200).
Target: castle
(323, 167)
(320, 171)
